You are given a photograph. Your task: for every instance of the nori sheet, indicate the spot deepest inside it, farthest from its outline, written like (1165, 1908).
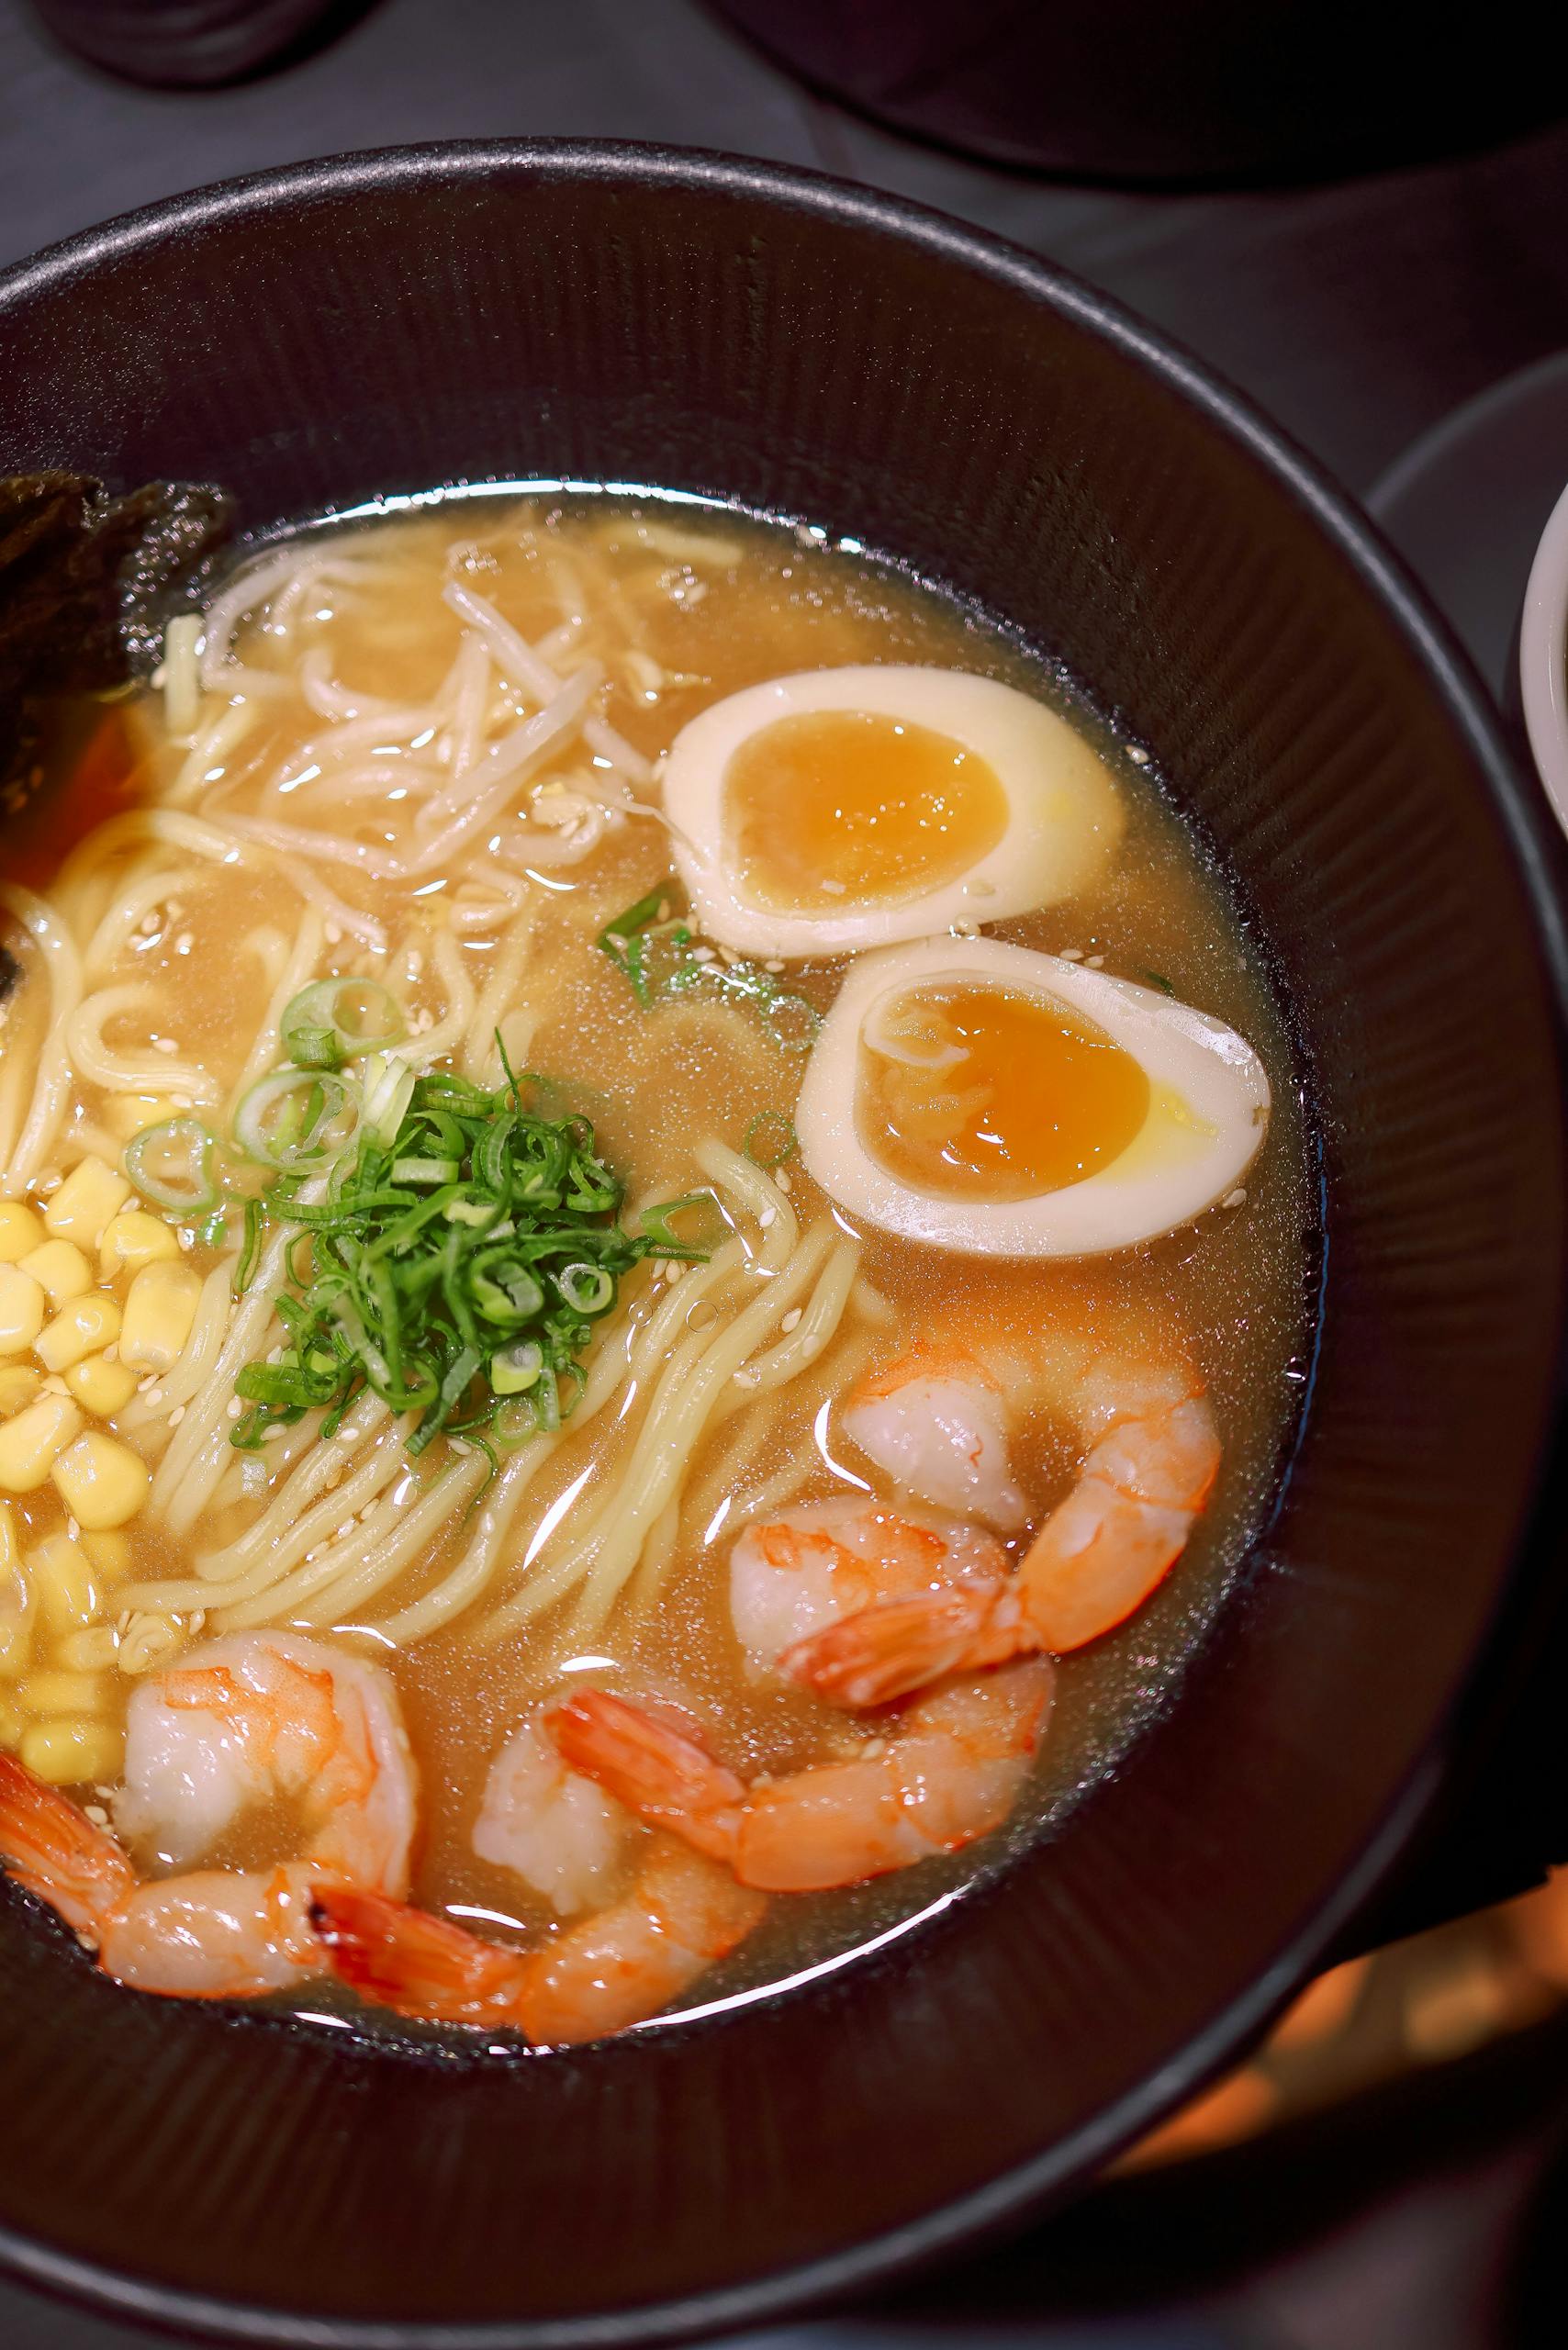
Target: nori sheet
(87, 585)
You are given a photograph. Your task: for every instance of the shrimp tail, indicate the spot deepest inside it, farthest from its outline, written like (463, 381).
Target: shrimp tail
(49, 1845)
(403, 1958)
(902, 1645)
(656, 1767)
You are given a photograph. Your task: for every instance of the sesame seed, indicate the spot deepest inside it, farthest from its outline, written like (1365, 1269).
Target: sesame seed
(769, 1215)
(155, 1394)
(1070, 955)
(782, 1180)
(672, 1272)
(702, 954)
(72, 1530)
(185, 942)
(1137, 755)
(746, 1379)
(1095, 963)
(791, 1320)
(233, 1407)
(1237, 1199)
(662, 914)
(774, 963)
(164, 1045)
(332, 932)
(341, 1533)
(111, 1352)
(176, 1415)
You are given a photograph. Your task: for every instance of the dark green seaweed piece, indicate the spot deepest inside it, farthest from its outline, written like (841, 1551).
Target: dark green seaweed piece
(88, 583)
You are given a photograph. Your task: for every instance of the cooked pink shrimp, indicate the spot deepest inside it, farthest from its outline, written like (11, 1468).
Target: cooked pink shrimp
(936, 1420)
(682, 1914)
(249, 1718)
(948, 1771)
(1153, 1454)
(556, 1830)
(811, 1565)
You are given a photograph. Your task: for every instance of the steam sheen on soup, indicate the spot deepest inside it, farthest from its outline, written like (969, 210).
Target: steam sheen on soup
(649, 1262)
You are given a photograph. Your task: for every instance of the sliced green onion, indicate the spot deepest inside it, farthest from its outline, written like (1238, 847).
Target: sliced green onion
(660, 1234)
(426, 1170)
(296, 1118)
(249, 1248)
(334, 1021)
(516, 1369)
(170, 1164)
(387, 1089)
(770, 1139)
(588, 1289)
(452, 1262)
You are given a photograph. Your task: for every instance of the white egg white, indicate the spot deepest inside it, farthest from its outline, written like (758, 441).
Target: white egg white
(1064, 813)
(1207, 1115)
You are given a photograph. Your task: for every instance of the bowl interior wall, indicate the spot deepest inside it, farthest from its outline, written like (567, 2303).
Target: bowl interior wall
(726, 330)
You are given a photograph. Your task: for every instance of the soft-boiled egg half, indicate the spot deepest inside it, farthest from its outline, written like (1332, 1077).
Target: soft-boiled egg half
(841, 809)
(1003, 1104)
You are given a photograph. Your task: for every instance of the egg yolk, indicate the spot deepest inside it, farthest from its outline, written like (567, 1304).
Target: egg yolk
(981, 1094)
(841, 804)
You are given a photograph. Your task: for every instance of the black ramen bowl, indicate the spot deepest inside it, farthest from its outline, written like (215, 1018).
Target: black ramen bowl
(381, 324)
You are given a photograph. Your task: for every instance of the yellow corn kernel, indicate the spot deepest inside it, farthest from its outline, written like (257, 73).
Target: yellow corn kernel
(22, 1309)
(90, 1195)
(67, 1591)
(33, 1441)
(12, 1725)
(101, 1387)
(68, 1754)
(109, 1551)
(130, 1115)
(20, 1231)
(101, 1481)
(160, 1308)
(51, 1691)
(62, 1267)
(19, 1382)
(92, 1650)
(17, 1601)
(84, 1327)
(134, 1239)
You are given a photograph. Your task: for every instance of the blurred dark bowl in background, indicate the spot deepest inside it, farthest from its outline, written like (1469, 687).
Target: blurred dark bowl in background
(1204, 92)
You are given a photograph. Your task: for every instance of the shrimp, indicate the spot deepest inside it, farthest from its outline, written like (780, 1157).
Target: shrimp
(947, 1771)
(246, 1719)
(1153, 1454)
(805, 1569)
(936, 1421)
(557, 1832)
(682, 1914)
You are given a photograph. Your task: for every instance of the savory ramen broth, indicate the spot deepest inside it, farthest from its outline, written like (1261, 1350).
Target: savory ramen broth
(424, 760)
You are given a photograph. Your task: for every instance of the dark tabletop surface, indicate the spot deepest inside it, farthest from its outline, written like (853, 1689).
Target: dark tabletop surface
(1359, 314)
